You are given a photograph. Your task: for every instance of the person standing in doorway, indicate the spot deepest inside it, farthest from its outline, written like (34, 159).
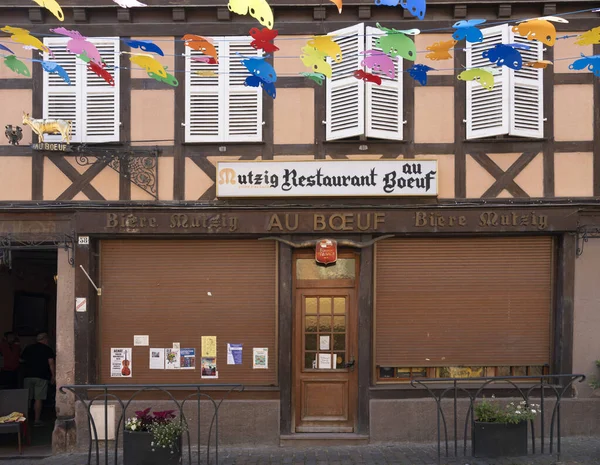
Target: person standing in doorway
(40, 369)
(11, 353)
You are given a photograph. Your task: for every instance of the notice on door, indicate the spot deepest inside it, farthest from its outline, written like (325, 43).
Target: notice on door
(324, 361)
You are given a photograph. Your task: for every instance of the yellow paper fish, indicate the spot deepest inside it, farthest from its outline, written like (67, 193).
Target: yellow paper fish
(589, 37)
(150, 64)
(316, 61)
(206, 73)
(480, 75)
(22, 36)
(440, 50)
(541, 64)
(258, 9)
(53, 7)
(326, 45)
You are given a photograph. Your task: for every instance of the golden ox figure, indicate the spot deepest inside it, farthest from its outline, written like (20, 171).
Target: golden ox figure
(49, 126)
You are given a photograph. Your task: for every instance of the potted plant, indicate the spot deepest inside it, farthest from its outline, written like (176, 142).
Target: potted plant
(501, 431)
(153, 438)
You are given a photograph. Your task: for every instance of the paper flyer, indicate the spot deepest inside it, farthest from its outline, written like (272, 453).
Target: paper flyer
(157, 359)
(187, 359)
(234, 354)
(120, 363)
(324, 361)
(209, 368)
(209, 346)
(323, 342)
(260, 358)
(171, 359)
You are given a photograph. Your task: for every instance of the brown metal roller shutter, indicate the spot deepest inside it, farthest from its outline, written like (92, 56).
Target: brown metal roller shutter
(463, 302)
(160, 288)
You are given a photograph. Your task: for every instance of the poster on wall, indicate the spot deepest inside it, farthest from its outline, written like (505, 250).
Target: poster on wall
(157, 359)
(187, 359)
(260, 358)
(234, 354)
(172, 359)
(209, 368)
(120, 363)
(209, 346)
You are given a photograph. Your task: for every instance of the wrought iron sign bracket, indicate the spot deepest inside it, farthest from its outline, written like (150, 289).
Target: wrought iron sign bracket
(584, 234)
(34, 241)
(140, 168)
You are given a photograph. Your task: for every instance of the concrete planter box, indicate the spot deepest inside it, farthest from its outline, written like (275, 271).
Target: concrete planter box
(137, 450)
(499, 439)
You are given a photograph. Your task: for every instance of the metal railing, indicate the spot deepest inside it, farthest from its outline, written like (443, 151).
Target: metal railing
(88, 395)
(544, 389)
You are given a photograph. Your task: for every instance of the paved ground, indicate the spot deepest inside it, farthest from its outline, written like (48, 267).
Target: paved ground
(576, 451)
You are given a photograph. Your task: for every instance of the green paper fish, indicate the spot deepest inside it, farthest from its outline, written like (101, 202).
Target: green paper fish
(17, 65)
(397, 43)
(169, 79)
(316, 77)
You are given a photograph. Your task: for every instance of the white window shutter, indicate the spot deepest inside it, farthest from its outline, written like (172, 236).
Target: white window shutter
(384, 106)
(345, 101)
(203, 113)
(527, 92)
(487, 110)
(99, 99)
(242, 104)
(60, 98)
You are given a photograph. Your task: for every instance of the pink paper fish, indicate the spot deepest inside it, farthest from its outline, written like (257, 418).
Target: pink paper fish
(79, 44)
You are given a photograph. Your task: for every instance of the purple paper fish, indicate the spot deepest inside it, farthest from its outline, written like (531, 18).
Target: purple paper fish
(79, 44)
(379, 61)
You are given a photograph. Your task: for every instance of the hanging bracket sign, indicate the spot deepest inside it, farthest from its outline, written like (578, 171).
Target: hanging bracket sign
(326, 251)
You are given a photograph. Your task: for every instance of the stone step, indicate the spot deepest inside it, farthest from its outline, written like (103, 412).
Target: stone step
(323, 439)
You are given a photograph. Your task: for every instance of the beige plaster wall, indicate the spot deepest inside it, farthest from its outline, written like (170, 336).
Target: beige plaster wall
(14, 103)
(478, 179)
(107, 184)
(289, 46)
(586, 343)
(574, 174)
(167, 44)
(197, 182)
(55, 182)
(15, 178)
(566, 48)
(530, 179)
(294, 116)
(574, 112)
(166, 178)
(422, 41)
(434, 114)
(152, 117)
(7, 73)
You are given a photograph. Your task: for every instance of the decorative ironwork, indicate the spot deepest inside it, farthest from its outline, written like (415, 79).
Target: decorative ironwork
(547, 390)
(14, 135)
(192, 406)
(584, 234)
(36, 241)
(140, 168)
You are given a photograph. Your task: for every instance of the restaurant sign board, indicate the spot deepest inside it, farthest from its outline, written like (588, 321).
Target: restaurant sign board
(326, 251)
(323, 178)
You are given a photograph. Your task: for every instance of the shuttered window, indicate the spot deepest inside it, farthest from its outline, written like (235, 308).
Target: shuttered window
(91, 104)
(219, 107)
(515, 105)
(463, 302)
(181, 290)
(356, 108)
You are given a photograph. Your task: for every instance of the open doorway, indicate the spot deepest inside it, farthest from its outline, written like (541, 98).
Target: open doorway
(27, 308)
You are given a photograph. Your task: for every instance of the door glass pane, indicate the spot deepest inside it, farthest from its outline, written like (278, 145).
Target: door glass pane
(339, 324)
(307, 268)
(311, 324)
(340, 360)
(310, 341)
(309, 360)
(325, 306)
(324, 324)
(311, 305)
(339, 305)
(339, 342)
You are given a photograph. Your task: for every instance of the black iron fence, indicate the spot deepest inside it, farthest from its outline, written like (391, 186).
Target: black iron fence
(122, 395)
(451, 395)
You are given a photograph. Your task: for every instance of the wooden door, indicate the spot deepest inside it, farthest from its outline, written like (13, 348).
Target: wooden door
(325, 349)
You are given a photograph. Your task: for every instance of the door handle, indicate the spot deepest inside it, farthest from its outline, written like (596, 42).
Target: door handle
(350, 365)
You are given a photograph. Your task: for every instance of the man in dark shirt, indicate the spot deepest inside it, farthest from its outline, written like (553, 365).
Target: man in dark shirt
(39, 371)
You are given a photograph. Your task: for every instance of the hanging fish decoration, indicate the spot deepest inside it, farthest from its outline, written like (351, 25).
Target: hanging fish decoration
(16, 65)
(53, 7)
(145, 46)
(419, 73)
(440, 50)
(466, 30)
(480, 75)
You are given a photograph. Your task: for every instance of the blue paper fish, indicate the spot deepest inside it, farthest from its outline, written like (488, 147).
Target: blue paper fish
(415, 7)
(592, 63)
(505, 54)
(419, 73)
(260, 68)
(2, 47)
(145, 45)
(387, 2)
(255, 81)
(52, 67)
(467, 30)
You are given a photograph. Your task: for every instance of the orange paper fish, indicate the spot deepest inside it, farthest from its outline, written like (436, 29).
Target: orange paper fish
(440, 50)
(337, 3)
(201, 45)
(541, 64)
